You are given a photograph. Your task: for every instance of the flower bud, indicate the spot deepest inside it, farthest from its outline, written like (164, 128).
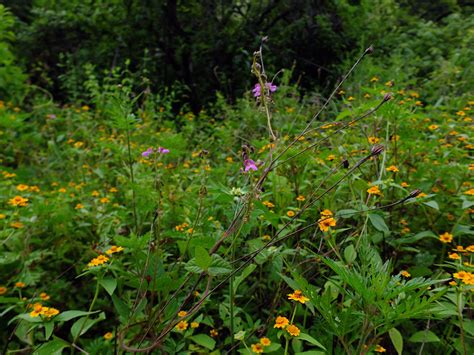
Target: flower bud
(388, 96)
(369, 50)
(376, 150)
(414, 193)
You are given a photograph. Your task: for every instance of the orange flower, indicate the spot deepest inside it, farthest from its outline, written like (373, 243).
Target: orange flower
(265, 341)
(454, 256)
(446, 237)
(257, 348)
(380, 349)
(293, 330)
(374, 190)
(182, 326)
(298, 296)
(281, 322)
(405, 273)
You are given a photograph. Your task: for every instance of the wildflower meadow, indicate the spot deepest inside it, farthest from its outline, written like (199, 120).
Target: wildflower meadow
(241, 188)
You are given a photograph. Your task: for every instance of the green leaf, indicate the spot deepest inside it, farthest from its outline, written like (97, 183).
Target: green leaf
(53, 347)
(378, 223)
(432, 204)
(219, 266)
(245, 273)
(82, 325)
(311, 340)
(109, 284)
(397, 340)
(350, 254)
(424, 336)
(202, 258)
(68, 315)
(48, 329)
(204, 340)
(121, 307)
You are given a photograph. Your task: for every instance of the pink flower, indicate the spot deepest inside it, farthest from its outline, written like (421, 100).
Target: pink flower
(257, 90)
(250, 164)
(162, 150)
(147, 152)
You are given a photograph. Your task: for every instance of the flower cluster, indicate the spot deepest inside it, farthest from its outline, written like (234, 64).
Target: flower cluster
(18, 201)
(298, 297)
(101, 259)
(257, 90)
(40, 310)
(284, 323)
(326, 221)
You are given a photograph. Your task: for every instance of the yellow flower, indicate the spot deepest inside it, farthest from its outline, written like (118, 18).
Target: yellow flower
(182, 314)
(281, 322)
(85, 108)
(79, 206)
(37, 308)
(265, 341)
(433, 127)
(454, 256)
(49, 312)
(3, 290)
(374, 190)
(293, 330)
(229, 159)
(108, 336)
(2, 216)
(104, 200)
(266, 238)
(453, 283)
(18, 201)
(470, 248)
(446, 237)
(62, 190)
(326, 213)
(268, 204)
(44, 296)
(101, 259)
(298, 296)
(331, 157)
(16, 225)
(113, 190)
(182, 325)
(325, 222)
(404, 184)
(290, 213)
(22, 187)
(469, 192)
(380, 349)
(374, 79)
(405, 273)
(373, 140)
(114, 249)
(20, 284)
(300, 198)
(78, 144)
(95, 193)
(257, 348)
(194, 325)
(393, 169)
(213, 333)
(350, 98)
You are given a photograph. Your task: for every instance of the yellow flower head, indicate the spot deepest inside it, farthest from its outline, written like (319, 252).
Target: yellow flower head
(265, 341)
(44, 296)
(108, 336)
(114, 249)
(373, 140)
(281, 322)
(374, 190)
(405, 273)
(3, 290)
(49, 312)
(293, 330)
(20, 284)
(18, 201)
(325, 223)
(182, 314)
(298, 296)
(454, 256)
(290, 213)
(37, 308)
(257, 348)
(300, 198)
(379, 349)
(194, 325)
(182, 326)
(213, 333)
(446, 237)
(393, 169)
(22, 187)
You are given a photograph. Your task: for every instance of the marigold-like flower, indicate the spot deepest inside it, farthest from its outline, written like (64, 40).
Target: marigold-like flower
(281, 322)
(114, 249)
(298, 296)
(453, 283)
(182, 325)
(470, 248)
(194, 325)
(446, 237)
(104, 200)
(373, 140)
(49, 312)
(257, 348)
(22, 187)
(101, 259)
(379, 349)
(268, 204)
(213, 333)
(290, 213)
(393, 169)
(3, 216)
(326, 222)
(405, 273)
(182, 314)
(18, 201)
(36, 310)
(433, 127)
(454, 256)
(3, 290)
(20, 284)
(300, 198)
(469, 192)
(108, 336)
(44, 296)
(293, 330)
(265, 341)
(374, 190)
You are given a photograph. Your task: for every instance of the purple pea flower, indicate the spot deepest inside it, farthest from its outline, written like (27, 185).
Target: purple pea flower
(147, 152)
(162, 150)
(257, 90)
(250, 164)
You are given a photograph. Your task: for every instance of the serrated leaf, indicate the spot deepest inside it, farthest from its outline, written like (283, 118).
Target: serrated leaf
(397, 340)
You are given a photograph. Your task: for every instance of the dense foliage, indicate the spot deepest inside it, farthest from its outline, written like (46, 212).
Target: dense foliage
(285, 215)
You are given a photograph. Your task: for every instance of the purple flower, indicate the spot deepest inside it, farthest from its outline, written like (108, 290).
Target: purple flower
(250, 164)
(257, 90)
(147, 152)
(162, 150)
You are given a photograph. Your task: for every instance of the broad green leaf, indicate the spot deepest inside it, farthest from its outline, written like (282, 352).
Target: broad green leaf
(202, 258)
(432, 204)
(350, 254)
(311, 340)
(245, 273)
(378, 222)
(397, 340)
(204, 340)
(109, 284)
(424, 336)
(48, 329)
(121, 307)
(82, 325)
(68, 315)
(53, 347)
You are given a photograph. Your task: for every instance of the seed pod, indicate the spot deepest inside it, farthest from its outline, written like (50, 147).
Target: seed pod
(388, 96)
(376, 150)
(414, 193)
